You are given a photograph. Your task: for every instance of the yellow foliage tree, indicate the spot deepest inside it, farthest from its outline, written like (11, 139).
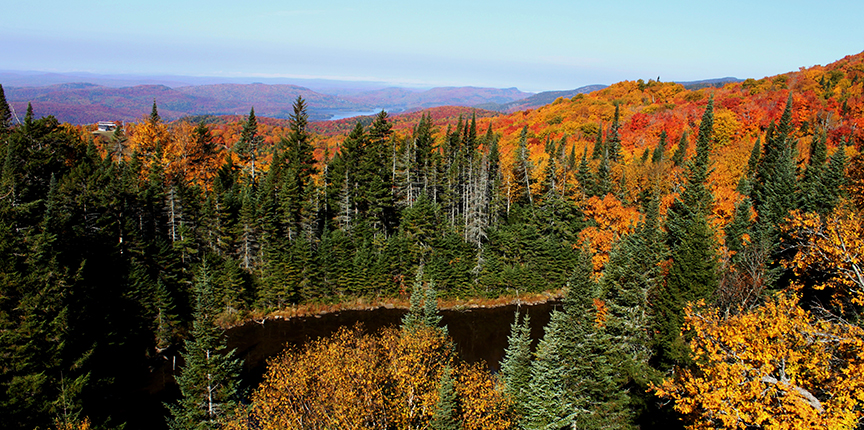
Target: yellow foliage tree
(833, 247)
(362, 381)
(775, 367)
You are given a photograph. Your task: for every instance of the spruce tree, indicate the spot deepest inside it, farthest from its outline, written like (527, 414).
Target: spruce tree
(599, 146)
(515, 367)
(680, 151)
(659, 151)
(549, 405)
(249, 145)
(691, 241)
(523, 170)
(613, 138)
(834, 179)
(812, 187)
(298, 187)
(154, 114)
(5, 112)
(446, 414)
(775, 184)
(208, 379)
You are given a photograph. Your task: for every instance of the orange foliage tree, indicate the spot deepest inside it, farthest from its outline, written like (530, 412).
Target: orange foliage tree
(774, 367)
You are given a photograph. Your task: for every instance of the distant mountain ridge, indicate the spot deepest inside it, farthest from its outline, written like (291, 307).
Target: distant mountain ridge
(705, 83)
(82, 102)
(539, 99)
(130, 97)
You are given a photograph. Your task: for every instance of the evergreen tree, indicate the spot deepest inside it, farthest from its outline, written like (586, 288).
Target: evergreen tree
(775, 184)
(446, 415)
(834, 179)
(659, 151)
(812, 187)
(549, 405)
(249, 145)
(680, 151)
(516, 366)
(691, 240)
(297, 189)
(5, 113)
(523, 170)
(154, 114)
(584, 176)
(424, 305)
(603, 177)
(613, 139)
(375, 176)
(209, 378)
(599, 146)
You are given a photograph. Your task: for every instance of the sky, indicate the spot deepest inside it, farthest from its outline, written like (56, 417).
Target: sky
(534, 46)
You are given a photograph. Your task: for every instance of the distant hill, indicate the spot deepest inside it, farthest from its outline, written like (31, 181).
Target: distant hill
(402, 99)
(82, 102)
(716, 83)
(537, 100)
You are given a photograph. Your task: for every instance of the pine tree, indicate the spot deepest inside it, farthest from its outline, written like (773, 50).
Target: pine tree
(209, 378)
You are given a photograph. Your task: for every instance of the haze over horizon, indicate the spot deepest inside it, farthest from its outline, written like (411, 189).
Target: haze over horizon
(554, 45)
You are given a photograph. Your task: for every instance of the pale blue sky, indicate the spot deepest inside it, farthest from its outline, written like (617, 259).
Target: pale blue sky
(535, 46)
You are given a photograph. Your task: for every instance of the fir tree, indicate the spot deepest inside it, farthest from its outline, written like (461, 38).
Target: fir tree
(549, 405)
(834, 179)
(424, 305)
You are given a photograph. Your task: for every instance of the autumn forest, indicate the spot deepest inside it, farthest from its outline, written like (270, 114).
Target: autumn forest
(705, 245)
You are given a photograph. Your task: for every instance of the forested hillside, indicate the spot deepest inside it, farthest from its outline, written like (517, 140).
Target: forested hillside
(733, 214)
